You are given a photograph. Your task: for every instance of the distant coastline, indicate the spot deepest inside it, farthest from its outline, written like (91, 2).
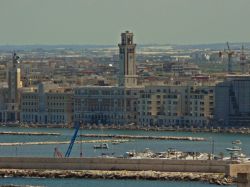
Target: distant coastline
(232, 130)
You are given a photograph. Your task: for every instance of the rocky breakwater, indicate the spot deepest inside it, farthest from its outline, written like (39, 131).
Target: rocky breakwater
(30, 133)
(57, 142)
(213, 178)
(188, 138)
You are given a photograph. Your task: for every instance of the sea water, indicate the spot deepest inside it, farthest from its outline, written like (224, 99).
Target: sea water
(72, 182)
(221, 141)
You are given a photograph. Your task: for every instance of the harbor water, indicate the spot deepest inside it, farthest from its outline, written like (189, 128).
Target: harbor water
(100, 182)
(221, 141)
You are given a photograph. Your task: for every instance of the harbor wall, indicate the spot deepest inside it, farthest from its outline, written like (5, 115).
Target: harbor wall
(205, 166)
(234, 169)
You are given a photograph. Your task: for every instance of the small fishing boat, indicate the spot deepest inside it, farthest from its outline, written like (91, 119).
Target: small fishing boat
(236, 142)
(115, 142)
(234, 148)
(101, 146)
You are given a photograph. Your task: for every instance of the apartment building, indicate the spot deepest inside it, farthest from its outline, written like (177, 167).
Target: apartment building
(105, 105)
(175, 105)
(47, 105)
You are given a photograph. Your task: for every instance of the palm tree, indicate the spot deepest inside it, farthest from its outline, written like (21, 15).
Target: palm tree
(221, 154)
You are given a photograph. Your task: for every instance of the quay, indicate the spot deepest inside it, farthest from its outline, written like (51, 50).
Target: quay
(212, 171)
(162, 165)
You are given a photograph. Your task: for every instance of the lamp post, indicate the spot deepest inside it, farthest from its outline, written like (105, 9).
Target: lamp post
(81, 153)
(212, 147)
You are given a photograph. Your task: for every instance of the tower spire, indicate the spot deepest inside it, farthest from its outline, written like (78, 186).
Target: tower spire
(127, 75)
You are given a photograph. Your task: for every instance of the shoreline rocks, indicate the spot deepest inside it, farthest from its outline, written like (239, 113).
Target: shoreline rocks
(212, 178)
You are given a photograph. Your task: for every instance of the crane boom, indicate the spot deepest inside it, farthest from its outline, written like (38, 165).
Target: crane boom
(230, 54)
(77, 126)
(228, 47)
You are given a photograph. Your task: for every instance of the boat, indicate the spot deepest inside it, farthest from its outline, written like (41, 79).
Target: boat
(236, 142)
(101, 146)
(115, 142)
(234, 148)
(129, 154)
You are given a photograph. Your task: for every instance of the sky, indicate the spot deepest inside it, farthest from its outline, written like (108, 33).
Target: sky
(101, 22)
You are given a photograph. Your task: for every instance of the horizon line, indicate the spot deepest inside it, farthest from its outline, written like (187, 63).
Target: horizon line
(142, 44)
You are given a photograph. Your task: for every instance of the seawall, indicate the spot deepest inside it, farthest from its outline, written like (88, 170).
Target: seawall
(213, 178)
(163, 165)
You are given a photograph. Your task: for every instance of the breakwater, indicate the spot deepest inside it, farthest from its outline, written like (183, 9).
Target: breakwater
(187, 138)
(30, 133)
(97, 163)
(213, 178)
(231, 130)
(57, 142)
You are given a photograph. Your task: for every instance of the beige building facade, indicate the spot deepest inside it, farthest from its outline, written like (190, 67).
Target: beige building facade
(175, 105)
(105, 105)
(47, 106)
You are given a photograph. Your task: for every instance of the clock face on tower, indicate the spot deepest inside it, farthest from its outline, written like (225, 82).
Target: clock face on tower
(130, 50)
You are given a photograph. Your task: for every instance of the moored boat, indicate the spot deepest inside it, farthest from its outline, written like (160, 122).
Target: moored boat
(101, 146)
(236, 142)
(234, 148)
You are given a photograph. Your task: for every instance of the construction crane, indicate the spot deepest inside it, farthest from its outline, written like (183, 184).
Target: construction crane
(57, 153)
(242, 60)
(77, 126)
(229, 53)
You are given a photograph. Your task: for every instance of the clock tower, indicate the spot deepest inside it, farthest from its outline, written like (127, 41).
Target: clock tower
(127, 74)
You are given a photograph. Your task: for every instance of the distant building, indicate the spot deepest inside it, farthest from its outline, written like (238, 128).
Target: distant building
(182, 69)
(232, 101)
(153, 105)
(111, 104)
(3, 73)
(99, 105)
(106, 105)
(47, 105)
(9, 107)
(175, 105)
(167, 103)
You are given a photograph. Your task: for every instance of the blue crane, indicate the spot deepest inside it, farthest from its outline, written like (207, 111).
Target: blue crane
(77, 126)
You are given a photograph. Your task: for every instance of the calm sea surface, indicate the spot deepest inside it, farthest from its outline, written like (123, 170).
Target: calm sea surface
(100, 183)
(221, 141)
